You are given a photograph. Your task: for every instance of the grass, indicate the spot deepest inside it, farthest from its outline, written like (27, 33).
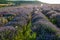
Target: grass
(25, 33)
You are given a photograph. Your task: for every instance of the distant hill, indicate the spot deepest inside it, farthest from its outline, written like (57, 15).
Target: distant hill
(22, 2)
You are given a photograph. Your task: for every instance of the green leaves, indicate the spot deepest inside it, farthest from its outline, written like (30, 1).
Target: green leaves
(53, 21)
(25, 33)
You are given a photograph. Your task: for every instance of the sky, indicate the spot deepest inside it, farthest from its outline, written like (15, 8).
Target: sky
(51, 1)
(45, 1)
(22, 0)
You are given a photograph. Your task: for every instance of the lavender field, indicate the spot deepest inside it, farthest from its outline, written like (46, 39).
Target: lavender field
(30, 22)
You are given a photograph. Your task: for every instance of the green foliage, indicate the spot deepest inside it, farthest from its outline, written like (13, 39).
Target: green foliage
(1, 6)
(3, 20)
(57, 36)
(22, 33)
(6, 19)
(10, 18)
(6, 35)
(25, 33)
(53, 20)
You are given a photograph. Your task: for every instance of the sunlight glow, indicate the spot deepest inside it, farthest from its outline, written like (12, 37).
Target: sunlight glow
(51, 1)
